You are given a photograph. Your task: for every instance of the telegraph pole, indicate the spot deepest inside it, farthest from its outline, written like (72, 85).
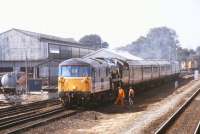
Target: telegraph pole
(170, 53)
(26, 69)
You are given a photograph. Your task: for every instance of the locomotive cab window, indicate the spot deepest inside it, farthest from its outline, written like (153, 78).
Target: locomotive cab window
(75, 71)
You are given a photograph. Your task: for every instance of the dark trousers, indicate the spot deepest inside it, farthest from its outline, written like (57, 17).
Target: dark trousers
(130, 99)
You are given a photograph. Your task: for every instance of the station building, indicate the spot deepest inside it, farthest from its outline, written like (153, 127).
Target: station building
(40, 53)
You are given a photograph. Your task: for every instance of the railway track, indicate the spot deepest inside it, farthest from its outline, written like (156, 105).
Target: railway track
(19, 125)
(14, 115)
(26, 119)
(177, 121)
(27, 107)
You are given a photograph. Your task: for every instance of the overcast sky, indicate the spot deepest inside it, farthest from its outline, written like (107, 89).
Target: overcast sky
(118, 22)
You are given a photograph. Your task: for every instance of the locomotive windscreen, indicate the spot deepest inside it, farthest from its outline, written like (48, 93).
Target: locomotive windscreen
(75, 71)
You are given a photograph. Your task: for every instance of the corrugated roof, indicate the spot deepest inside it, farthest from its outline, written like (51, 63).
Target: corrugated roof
(126, 54)
(124, 57)
(80, 61)
(45, 36)
(112, 54)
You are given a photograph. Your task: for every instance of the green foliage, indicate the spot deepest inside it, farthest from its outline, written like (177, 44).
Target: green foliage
(159, 43)
(184, 53)
(198, 50)
(94, 41)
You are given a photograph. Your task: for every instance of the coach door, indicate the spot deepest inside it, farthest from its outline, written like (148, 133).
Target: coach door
(97, 80)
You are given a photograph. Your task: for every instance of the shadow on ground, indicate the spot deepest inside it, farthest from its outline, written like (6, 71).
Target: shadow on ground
(143, 99)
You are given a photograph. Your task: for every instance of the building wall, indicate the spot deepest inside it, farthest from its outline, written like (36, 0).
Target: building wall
(41, 54)
(16, 46)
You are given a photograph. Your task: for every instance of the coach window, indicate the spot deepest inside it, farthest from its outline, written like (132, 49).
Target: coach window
(163, 69)
(147, 72)
(93, 72)
(99, 72)
(137, 73)
(132, 72)
(155, 70)
(168, 69)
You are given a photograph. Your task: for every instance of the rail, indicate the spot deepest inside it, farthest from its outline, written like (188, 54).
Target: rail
(173, 118)
(26, 105)
(54, 115)
(13, 111)
(197, 131)
(24, 121)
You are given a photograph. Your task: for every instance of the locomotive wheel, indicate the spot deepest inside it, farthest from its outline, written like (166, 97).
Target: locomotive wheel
(66, 102)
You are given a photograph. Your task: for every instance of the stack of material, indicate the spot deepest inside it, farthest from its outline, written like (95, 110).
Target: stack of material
(22, 80)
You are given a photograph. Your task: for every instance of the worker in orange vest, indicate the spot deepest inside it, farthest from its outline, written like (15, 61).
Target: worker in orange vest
(120, 97)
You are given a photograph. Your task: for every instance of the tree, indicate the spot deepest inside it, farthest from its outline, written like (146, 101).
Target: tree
(105, 45)
(198, 50)
(94, 41)
(159, 43)
(184, 53)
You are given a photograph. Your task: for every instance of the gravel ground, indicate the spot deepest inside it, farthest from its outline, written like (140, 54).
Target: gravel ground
(10, 100)
(160, 111)
(149, 110)
(187, 122)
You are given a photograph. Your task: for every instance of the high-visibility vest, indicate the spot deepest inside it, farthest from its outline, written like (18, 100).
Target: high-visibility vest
(121, 92)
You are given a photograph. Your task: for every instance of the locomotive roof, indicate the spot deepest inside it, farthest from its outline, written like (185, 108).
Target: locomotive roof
(73, 61)
(87, 61)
